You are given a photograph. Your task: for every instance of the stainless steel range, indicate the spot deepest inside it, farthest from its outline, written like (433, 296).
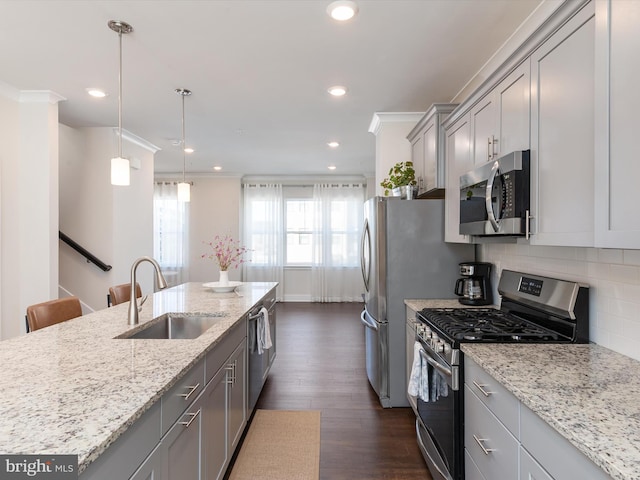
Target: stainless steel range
(534, 309)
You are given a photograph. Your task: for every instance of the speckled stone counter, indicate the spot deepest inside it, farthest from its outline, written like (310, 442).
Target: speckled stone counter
(589, 394)
(73, 388)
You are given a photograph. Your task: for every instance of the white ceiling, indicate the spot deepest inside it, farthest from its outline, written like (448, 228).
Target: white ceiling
(258, 69)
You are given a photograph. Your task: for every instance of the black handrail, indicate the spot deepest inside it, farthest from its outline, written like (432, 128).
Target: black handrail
(91, 258)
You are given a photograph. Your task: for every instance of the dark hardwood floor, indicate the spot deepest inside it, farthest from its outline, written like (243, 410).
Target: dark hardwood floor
(320, 366)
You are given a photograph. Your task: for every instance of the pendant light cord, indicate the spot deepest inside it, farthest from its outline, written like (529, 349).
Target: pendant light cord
(120, 99)
(184, 146)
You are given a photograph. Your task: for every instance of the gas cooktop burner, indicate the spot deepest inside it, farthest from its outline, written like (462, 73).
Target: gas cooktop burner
(486, 325)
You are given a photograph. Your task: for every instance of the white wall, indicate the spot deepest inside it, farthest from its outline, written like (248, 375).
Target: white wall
(391, 130)
(214, 210)
(113, 223)
(29, 192)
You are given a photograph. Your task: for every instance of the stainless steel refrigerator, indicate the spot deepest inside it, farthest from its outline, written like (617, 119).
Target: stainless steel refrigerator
(403, 255)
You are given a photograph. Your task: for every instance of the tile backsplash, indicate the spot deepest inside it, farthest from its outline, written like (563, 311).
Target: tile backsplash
(613, 276)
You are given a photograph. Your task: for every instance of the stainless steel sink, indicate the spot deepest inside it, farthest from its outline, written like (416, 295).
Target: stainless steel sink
(176, 326)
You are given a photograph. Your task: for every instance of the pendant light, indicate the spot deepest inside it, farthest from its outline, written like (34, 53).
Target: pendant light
(184, 189)
(120, 173)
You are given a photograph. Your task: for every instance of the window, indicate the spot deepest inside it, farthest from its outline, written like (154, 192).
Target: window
(299, 223)
(170, 232)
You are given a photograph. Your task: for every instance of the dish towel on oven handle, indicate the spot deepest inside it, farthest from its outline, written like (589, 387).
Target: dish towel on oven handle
(439, 387)
(263, 334)
(419, 378)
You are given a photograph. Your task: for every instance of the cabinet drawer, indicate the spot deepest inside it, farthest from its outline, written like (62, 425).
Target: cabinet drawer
(471, 471)
(500, 457)
(530, 469)
(559, 457)
(181, 395)
(217, 357)
(498, 399)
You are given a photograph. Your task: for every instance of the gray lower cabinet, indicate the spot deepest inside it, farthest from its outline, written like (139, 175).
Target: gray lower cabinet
(505, 439)
(192, 432)
(152, 467)
(181, 447)
(224, 413)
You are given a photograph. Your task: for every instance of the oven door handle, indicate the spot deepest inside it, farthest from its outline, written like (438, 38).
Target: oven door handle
(444, 370)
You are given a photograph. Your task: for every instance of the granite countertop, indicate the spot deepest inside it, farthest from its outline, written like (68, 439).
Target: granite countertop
(73, 388)
(587, 393)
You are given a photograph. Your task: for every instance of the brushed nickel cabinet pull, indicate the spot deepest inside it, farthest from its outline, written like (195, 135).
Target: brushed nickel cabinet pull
(193, 417)
(480, 441)
(481, 388)
(192, 389)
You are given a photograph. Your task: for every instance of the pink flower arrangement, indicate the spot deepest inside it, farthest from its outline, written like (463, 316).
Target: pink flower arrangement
(226, 252)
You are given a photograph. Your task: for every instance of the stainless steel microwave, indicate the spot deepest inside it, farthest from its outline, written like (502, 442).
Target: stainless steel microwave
(494, 197)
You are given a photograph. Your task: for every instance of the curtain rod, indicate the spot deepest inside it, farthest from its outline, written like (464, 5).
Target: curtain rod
(308, 185)
(171, 183)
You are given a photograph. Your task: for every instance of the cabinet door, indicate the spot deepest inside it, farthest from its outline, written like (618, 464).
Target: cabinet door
(458, 155)
(484, 130)
(618, 104)
(152, 467)
(214, 418)
(530, 469)
(237, 391)
(182, 445)
(513, 99)
(430, 155)
(417, 157)
(410, 342)
(562, 129)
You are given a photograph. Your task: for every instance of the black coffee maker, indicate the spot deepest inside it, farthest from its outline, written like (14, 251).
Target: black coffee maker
(474, 288)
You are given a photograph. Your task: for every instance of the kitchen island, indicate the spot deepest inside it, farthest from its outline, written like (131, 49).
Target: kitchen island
(587, 394)
(73, 388)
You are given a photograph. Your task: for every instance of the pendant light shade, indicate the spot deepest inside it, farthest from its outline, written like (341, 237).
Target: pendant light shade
(184, 192)
(120, 172)
(184, 188)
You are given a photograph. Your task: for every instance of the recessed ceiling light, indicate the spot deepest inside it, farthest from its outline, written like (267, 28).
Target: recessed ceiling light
(332, 167)
(217, 168)
(188, 150)
(96, 92)
(333, 144)
(342, 10)
(337, 90)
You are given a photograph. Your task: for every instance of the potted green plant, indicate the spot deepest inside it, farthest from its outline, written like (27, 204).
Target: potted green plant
(401, 180)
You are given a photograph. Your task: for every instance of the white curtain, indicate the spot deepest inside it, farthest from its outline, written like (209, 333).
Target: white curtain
(338, 217)
(170, 233)
(263, 231)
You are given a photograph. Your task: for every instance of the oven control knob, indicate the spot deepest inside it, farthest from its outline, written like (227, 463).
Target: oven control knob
(427, 332)
(446, 349)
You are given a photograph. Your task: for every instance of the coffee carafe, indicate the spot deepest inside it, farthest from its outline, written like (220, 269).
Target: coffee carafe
(474, 288)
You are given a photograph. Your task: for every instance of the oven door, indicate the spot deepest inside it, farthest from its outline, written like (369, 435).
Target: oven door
(439, 423)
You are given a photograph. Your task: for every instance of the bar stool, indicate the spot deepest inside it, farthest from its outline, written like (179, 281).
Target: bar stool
(122, 293)
(48, 313)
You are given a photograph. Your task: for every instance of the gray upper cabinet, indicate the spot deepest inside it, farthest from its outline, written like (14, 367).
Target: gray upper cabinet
(542, 98)
(427, 150)
(617, 106)
(562, 130)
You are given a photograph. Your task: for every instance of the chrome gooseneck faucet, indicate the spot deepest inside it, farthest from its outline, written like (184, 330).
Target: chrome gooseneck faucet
(133, 304)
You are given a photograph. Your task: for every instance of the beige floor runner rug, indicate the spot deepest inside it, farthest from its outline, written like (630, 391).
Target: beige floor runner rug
(280, 445)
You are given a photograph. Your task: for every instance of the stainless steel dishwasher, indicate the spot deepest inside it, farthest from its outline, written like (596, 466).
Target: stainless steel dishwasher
(260, 363)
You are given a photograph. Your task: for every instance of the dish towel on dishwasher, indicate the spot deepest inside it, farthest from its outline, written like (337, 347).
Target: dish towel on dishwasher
(263, 333)
(419, 379)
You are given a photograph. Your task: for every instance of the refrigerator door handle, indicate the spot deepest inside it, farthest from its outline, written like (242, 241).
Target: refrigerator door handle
(365, 321)
(365, 259)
